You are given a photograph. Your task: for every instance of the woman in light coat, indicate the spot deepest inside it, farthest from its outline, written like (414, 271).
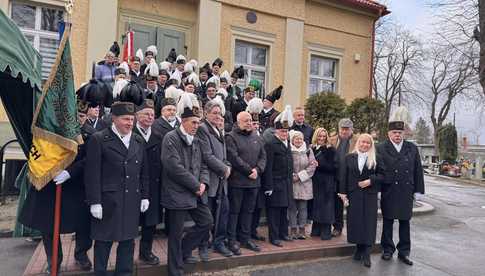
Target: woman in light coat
(304, 165)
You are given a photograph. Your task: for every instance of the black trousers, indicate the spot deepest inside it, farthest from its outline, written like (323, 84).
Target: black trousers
(255, 220)
(146, 241)
(339, 213)
(321, 229)
(219, 231)
(124, 257)
(180, 245)
(364, 249)
(241, 209)
(277, 222)
(83, 244)
(404, 245)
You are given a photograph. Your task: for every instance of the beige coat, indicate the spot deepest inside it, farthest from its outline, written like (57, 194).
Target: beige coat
(303, 169)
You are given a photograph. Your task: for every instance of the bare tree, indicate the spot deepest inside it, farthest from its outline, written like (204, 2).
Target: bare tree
(397, 59)
(450, 76)
(461, 24)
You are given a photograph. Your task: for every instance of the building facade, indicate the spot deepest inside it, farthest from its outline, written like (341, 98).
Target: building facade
(308, 46)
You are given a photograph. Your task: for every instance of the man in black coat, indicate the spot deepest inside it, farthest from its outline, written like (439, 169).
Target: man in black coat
(93, 118)
(135, 74)
(245, 179)
(153, 144)
(117, 181)
(214, 154)
(240, 105)
(184, 182)
(277, 179)
(302, 126)
(403, 178)
(269, 114)
(155, 92)
(38, 209)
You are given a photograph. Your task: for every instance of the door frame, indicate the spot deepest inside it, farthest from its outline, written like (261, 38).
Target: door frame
(136, 17)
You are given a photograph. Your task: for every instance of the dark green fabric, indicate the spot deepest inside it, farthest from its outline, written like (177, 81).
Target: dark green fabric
(18, 54)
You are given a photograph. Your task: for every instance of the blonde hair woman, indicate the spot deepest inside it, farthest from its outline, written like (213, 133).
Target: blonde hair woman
(362, 178)
(324, 185)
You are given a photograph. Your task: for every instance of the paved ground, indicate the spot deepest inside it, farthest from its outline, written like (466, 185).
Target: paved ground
(15, 254)
(450, 241)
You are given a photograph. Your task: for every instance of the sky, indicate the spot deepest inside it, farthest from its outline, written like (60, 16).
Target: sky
(416, 16)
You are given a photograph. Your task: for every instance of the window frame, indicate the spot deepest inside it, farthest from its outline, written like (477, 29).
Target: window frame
(333, 79)
(249, 67)
(325, 52)
(37, 32)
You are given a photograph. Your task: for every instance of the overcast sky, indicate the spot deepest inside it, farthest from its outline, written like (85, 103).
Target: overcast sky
(416, 16)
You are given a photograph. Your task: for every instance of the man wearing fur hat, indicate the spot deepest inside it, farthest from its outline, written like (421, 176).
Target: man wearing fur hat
(269, 113)
(277, 178)
(150, 53)
(135, 73)
(145, 116)
(185, 179)
(216, 67)
(152, 89)
(404, 181)
(116, 199)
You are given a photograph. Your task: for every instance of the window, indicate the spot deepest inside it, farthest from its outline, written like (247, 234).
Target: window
(254, 58)
(323, 75)
(39, 24)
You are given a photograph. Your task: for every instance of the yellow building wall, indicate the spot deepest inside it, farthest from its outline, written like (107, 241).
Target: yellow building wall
(284, 8)
(343, 29)
(269, 24)
(79, 40)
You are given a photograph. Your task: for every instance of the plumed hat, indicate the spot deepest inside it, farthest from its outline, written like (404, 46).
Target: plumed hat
(285, 119)
(275, 94)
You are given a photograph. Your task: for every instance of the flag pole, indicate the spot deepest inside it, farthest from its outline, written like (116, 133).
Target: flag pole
(57, 207)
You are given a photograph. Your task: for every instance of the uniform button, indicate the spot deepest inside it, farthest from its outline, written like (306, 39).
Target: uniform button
(127, 176)
(136, 161)
(395, 171)
(137, 190)
(397, 182)
(126, 162)
(126, 190)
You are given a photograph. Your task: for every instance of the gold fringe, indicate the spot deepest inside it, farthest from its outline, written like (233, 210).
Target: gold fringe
(47, 84)
(66, 143)
(41, 182)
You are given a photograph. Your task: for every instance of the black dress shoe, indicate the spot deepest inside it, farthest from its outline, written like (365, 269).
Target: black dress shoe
(336, 232)
(234, 247)
(386, 256)
(287, 238)
(251, 246)
(190, 260)
(149, 258)
(223, 250)
(84, 263)
(367, 262)
(277, 243)
(204, 254)
(258, 237)
(405, 259)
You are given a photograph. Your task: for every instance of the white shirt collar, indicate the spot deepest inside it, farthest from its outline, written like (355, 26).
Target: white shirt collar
(145, 133)
(125, 139)
(266, 110)
(398, 147)
(362, 159)
(190, 138)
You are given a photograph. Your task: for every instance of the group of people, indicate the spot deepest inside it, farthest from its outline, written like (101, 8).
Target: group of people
(164, 143)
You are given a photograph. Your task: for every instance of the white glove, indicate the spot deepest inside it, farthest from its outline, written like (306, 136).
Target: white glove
(268, 193)
(418, 196)
(61, 177)
(144, 205)
(96, 211)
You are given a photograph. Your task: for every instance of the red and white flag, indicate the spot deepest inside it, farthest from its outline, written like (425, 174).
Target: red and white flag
(128, 51)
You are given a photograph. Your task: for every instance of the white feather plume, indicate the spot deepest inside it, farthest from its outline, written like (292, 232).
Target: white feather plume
(194, 63)
(180, 57)
(220, 102)
(118, 86)
(189, 67)
(226, 75)
(177, 75)
(194, 78)
(401, 114)
(215, 79)
(139, 54)
(173, 92)
(285, 116)
(125, 66)
(152, 68)
(165, 65)
(153, 49)
(255, 106)
(185, 101)
(222, 92)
